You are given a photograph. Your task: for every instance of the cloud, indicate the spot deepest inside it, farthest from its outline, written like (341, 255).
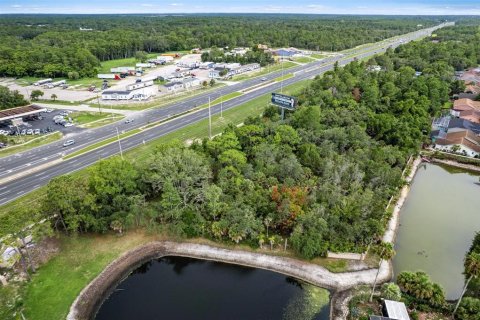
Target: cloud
(16, 6)
(176, 4)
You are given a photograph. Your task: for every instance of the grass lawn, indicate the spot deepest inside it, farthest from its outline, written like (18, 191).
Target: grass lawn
(284, 77)
(24, 143)
(304, 59)
(83, 117)
(318, 56)
(57, 283)
(102, 122)
(265, 70)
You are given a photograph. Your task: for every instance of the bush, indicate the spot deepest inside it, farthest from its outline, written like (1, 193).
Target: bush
(391, 291)
(469, 309)
(73, 75)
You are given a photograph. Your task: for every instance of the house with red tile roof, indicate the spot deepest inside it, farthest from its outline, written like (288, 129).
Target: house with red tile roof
(461, 141)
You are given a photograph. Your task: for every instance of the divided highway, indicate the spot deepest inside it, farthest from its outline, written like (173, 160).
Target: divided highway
(14, 183)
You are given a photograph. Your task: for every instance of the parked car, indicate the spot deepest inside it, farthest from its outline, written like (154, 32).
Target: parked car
(68, 143)
(37, 131)
(23, 132)
(30, 131)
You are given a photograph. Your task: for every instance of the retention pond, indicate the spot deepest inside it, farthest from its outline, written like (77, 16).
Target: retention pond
(185, 288)
(437, 224)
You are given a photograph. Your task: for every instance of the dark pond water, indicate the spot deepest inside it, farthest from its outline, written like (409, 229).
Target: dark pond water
(184, 288)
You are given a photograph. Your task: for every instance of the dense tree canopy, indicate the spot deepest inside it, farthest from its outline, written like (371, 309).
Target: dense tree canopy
(52, 45)
(10, 99)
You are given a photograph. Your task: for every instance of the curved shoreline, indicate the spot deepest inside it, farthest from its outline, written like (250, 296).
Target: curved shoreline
(91, 297)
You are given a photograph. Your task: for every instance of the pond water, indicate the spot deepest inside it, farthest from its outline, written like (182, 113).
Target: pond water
(437, 224)
(184, 288)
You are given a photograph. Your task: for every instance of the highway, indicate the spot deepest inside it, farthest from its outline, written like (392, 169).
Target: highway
(15, 183)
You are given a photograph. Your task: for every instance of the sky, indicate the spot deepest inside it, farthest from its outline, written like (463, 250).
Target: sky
(393, 7)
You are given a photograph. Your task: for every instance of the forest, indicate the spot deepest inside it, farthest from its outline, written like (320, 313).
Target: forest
(54, 45)
(318, 181)
(10, 99)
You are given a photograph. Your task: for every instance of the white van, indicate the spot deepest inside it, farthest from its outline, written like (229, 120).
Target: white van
(68, 143)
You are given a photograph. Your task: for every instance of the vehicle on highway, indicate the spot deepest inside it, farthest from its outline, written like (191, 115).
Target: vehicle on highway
(128, 120)
(68, 143)
(68, 124)
(263, 79)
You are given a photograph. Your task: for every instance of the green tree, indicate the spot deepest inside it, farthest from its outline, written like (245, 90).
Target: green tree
(53, 96)
(36, 94)
(385, 252)
(472, 270)
(212, 82)
(141, 56)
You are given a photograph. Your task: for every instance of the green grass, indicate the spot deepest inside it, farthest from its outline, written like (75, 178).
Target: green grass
(128, 62)
(284, 77)
(304, 59)
(318, 56)
(102, 143)
(30, 142)
(82, 117)
(265, 70)
(103, 122)
(57, 283)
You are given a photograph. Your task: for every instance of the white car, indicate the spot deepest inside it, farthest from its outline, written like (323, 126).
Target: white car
(263, 79)
(68, 143)
(68, 124)
(128, 120)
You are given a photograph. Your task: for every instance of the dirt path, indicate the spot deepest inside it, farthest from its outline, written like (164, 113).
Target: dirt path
(91, 296)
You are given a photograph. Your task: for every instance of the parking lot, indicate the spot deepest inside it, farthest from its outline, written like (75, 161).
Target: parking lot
(41, 124)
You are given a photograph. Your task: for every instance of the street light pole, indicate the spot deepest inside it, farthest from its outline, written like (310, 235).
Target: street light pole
(221, 107)
(119, 143)
(209, 120)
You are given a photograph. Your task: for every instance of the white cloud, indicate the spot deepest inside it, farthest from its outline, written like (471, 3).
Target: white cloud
(16, 6)
(176, 4)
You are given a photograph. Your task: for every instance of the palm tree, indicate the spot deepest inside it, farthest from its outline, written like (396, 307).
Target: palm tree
(472, 270)
(385, 252)
(53, 96)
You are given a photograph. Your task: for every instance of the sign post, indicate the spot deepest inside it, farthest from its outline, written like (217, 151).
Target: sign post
(284, 102)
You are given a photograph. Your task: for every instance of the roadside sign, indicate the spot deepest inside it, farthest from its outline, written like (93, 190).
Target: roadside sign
(284, 101)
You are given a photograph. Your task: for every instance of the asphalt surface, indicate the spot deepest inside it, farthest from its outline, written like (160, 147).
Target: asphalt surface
(14, 165)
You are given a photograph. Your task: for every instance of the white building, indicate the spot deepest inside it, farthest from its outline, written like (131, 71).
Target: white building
(191, 83)
(173, 86)
(144, 65)
(165, 59)
(190, 64)
(141, 84)
(116, 95)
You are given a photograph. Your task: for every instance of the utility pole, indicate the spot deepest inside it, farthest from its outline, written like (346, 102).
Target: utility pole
(281, 82)
(221, 107)
(209, 120)
(119, 143)
(98, 102)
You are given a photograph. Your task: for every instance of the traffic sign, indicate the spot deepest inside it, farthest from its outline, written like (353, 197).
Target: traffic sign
(284, 101)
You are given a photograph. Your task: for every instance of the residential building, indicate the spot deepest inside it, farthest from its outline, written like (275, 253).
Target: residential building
(461, 141)
(165, 59)
(140, 84)
(466, 109)
(191, 83)
(216, 72)
(172, 86)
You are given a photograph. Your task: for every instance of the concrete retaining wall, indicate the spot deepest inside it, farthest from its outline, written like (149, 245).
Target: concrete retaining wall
(346, 255)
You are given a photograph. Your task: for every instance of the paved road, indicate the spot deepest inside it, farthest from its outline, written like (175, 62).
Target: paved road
(16, 164)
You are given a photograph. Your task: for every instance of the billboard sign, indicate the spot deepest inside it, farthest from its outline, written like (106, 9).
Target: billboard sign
(284, 101)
